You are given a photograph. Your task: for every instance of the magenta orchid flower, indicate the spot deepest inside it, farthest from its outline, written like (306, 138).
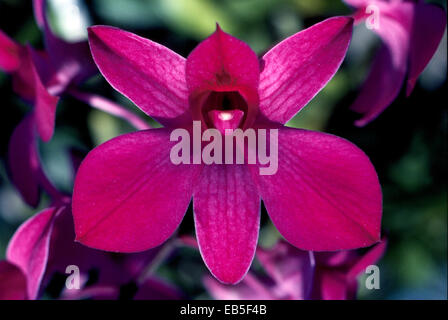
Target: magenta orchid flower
(129, 197)
(410, 31)
(12, 282)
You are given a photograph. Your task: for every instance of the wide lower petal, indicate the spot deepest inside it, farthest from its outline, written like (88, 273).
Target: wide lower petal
(149, 74)
(29, 248)
(227, 212)
(128, 196)
(296, 69)
(325, 195)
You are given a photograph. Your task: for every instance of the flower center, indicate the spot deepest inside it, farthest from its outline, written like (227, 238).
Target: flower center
(224, 110)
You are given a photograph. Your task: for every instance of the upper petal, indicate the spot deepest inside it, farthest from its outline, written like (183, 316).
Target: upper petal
(149, 74)
(325, 195)
(128, 196)
(29, 248)
(297, 68)
(222, 63)
(227, 212)
(427, 31)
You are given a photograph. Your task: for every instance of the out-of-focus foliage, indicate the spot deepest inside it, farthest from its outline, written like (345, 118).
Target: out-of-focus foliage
(407, 143)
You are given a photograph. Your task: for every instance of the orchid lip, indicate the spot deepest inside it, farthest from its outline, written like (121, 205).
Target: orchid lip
(226, 119)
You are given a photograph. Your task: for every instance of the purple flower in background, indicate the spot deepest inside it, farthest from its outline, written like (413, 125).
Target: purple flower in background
(410, 32)
(129, 196)
(300, 275)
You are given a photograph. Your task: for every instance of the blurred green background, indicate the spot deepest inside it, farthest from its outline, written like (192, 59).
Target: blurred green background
(407, 143)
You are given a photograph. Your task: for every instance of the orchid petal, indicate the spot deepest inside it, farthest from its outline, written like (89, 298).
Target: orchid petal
(9, 53)
(291, 268)
(12, 282)
(428, 28)
(44, 103)
(29, 248)
(126, 182)
(23, 161)
(155, 289)
(149, 74)
(370, 257)
(389, 68)
(330, 197)
(223, 63)
(227, 212)
(297, 68)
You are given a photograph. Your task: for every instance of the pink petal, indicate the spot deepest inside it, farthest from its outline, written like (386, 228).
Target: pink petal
(325, 195)
(149, 74)
(297, 68)
(29, 247)
(291, 268)
(9, 53)
(44, 103)
(23, 161)
(12, 282)
(428, 28)
(128, 196)
(223, 63)
(370, 257)
(331, 285)
(227, 212)
(389, 68)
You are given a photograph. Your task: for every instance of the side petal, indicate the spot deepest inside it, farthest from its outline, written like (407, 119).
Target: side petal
(29, 247)
(44, 103)
(149, 74)
(389, 68)
(427, 31)
(23, 161)
(227, 216)
(12, 282)
(297, 68)
(128, 196)
(9, 53)
(223, 63)
(325, 195)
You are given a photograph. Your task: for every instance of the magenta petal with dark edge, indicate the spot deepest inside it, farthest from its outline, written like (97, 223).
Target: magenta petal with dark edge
(427, 31)
(325, 195)
(12, 282)
(227, 216)
(9, 53)
(370, 257)
(128, 196)
(23, 161)
(29, 248)
(149, 74)
(297, 68)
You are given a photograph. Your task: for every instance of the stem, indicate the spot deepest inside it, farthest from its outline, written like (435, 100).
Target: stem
(156, 262)
(110, 107)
